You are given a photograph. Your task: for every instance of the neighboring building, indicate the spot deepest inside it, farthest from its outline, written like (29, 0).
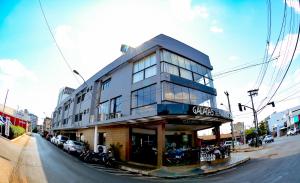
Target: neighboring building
(280, 122)
(33, 120)
(47, 124)
(40, 128)
(239, 131)
(150, 98)
(11, 115)
(64, 93)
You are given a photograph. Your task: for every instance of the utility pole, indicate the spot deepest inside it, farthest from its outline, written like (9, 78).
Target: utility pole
(251, 94)
(231, 123)
(4, 107)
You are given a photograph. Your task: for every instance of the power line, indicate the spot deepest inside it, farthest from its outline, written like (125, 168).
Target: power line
(246, 67)
(57, 46)
(296, 45)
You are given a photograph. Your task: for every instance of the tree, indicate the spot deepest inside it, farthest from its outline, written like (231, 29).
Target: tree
(250, 133)
(262, 128)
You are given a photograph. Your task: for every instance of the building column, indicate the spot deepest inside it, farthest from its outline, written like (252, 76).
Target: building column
(194, 138)
(160, 144)
(96, 139)
(218, 135)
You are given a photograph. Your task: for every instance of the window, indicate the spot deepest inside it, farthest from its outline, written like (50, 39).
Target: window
(186, 74)
(104, 110)
(105, 84)
(172, 69)
(179, 94)
(144, 96)
(144, 68)
(115, 107)
(151, 71)
(172, 64)
(138, 76)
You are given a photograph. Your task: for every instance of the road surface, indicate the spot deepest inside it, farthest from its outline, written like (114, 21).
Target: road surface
(277, 162)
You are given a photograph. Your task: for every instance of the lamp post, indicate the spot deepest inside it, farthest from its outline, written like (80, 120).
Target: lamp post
(76, 72)
(231, 123)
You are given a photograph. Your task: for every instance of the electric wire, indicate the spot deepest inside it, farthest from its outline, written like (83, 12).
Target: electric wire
(55, 41)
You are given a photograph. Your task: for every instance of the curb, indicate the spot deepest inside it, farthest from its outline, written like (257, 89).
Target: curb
(205, 172)
(18, 137)
(133, 170)
(226, 167)
(250, 149)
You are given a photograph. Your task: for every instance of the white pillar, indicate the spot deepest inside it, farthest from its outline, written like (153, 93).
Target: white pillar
(96, 139)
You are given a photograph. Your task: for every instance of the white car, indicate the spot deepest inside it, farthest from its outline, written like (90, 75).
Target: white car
(291, 132)
(229, 143)
(268, 139)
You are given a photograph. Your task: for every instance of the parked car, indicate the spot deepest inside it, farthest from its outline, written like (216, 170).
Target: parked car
(49, 137)
(53, 139)
(291, 132)
(73, 146)
(252, 142)
(229, 143)
(268, 139)
(60, 140)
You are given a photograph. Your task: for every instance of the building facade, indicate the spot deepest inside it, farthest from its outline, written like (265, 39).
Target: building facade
(47, 124)
(152, 97)
(33, 120)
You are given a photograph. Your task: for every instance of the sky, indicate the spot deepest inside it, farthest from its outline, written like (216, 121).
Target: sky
(90, 33)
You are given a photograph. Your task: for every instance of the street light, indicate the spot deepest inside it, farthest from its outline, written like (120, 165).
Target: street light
(76, 72)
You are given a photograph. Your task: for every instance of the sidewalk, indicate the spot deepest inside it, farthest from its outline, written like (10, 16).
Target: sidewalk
(247, 148)
(9, 156)
(188, 171)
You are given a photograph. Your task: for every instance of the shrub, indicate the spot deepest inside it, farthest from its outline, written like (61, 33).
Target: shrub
(116, 150)
(16, 131)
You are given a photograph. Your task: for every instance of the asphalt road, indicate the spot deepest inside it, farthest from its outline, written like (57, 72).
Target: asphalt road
(60, 167)
(277, 162)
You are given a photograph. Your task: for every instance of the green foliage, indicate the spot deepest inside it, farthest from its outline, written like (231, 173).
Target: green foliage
(116, 148)
(34, 130)
(250, 133)
(262, 128)
(17, 131)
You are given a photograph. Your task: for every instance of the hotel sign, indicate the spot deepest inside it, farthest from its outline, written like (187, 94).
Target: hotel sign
(203, 111)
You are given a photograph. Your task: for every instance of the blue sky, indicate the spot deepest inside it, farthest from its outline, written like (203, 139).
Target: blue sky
(90, 33)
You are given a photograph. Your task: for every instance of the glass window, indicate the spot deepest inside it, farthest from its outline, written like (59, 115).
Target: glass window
(199, 79)
(142, 69)
(181, 62)
(168, 90)
(186, 74)
(105, 84)
(185, 95)
(115, 106)
(135, 67)
(180, 94)
(187, 64)
(171, 69)
(138, 76)
(153, 59)
(167, 56)
(144, 96)
(103, 110)
(151, 71)
(174, 59)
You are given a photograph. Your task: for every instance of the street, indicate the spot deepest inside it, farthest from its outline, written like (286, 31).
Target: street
(277, 162)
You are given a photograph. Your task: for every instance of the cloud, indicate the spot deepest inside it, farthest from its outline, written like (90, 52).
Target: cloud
(184, 10)
(294, 4)
(284, 50)
(11, 71)
(216, 29)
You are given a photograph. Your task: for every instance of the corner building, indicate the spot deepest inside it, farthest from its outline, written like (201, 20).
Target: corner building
(153, 97)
